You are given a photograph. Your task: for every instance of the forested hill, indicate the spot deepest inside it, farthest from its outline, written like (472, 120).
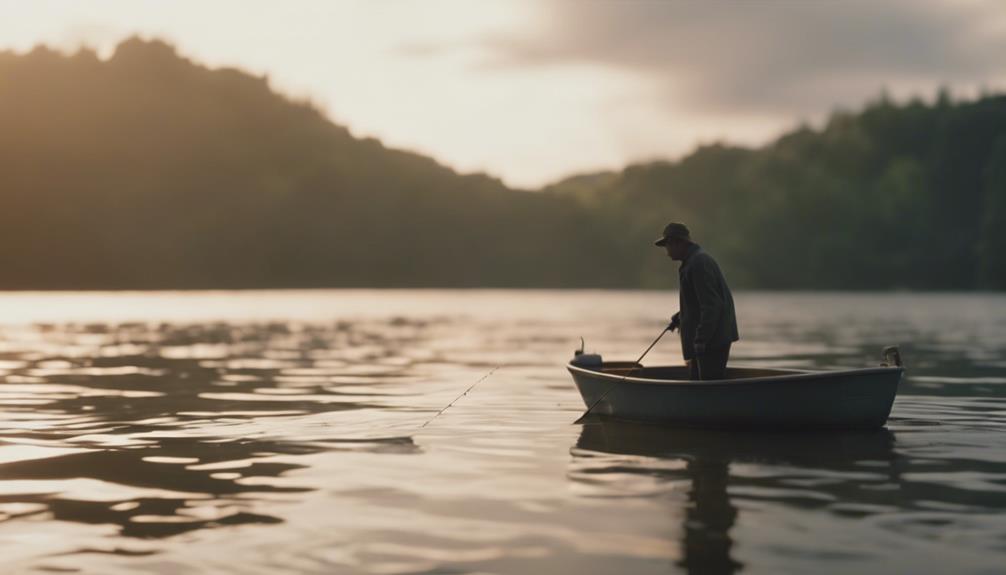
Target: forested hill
(147, 170)
(893, 196)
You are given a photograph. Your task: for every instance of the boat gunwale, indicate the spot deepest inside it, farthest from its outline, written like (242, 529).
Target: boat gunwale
(796, 375)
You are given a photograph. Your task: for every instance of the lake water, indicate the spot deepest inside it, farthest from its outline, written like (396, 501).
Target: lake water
(282, 432)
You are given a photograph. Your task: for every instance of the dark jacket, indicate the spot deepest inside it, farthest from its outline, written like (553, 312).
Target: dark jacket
(707, 314)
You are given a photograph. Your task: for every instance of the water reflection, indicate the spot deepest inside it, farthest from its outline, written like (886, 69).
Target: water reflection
(161, 430)
(854, 468)
(277, 433)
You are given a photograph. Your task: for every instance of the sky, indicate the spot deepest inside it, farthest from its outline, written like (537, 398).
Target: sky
(532, 91)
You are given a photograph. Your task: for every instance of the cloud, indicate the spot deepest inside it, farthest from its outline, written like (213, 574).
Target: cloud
(773, 56)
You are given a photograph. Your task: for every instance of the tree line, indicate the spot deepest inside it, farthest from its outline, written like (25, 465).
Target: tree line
(149, 171)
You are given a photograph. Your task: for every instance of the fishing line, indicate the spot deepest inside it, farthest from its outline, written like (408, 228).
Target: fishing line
(471, 387)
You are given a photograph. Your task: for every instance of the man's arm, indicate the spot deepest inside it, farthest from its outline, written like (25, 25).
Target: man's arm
(707, 291)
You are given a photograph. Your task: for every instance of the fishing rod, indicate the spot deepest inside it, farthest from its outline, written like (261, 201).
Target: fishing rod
(464, 393)
(635, 366)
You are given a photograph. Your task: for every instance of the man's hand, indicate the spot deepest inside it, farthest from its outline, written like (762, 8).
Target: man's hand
(675, 322)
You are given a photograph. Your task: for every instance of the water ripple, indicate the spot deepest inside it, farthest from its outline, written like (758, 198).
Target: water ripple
(274, 432)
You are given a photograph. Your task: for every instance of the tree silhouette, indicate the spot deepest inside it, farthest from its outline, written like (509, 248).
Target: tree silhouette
(147, 170)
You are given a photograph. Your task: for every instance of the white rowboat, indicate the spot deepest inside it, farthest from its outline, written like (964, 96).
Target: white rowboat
(747, 397)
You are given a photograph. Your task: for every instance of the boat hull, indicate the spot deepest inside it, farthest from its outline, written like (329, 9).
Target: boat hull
(859, 398)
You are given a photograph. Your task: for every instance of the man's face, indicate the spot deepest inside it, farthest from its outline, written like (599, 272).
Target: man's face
(676, 249)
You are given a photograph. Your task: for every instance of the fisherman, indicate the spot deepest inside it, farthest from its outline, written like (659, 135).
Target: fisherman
(706, 315)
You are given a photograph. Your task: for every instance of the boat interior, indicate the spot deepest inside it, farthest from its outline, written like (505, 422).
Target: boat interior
(680, 372)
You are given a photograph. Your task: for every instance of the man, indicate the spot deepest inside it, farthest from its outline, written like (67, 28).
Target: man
(706, 316)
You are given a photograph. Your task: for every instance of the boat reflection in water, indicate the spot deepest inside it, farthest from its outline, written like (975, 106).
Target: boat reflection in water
(703, 458)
